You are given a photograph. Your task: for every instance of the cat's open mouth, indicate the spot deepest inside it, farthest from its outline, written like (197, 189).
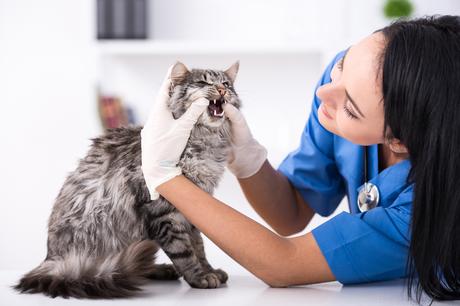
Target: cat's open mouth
(215, 107)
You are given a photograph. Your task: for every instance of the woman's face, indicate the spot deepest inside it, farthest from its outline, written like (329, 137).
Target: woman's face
(354, 99)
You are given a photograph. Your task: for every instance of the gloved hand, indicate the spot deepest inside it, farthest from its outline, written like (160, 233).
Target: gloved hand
(247, 155)
(163, 138)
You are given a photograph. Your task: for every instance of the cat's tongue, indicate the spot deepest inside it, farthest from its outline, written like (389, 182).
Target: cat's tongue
(215, 108)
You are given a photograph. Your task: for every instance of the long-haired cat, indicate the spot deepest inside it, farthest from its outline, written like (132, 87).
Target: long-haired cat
(104, 230)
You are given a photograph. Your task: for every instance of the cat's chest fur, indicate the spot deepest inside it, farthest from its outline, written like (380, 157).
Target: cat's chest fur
(204, 158)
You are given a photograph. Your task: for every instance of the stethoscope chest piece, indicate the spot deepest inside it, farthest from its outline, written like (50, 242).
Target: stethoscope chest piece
(368, 197)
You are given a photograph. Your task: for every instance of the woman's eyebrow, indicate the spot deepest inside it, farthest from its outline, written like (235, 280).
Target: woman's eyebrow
(346, 92)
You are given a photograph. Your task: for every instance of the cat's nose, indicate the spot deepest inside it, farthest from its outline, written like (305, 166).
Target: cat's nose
(221, 90)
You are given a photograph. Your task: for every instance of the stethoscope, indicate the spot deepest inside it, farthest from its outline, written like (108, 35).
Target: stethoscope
(368, 196)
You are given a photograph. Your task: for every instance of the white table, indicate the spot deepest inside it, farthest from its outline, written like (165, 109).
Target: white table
(240, 290)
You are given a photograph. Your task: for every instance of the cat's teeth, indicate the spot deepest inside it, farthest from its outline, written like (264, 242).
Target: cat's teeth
(214, 101)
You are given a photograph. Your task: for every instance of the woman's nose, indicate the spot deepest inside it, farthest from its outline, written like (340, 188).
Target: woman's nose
(323, 92)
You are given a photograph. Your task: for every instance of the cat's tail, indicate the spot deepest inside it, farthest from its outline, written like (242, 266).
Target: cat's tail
(81, 276)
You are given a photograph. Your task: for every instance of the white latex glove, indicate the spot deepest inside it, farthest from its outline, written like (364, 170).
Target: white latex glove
(163, 138)
(247, 155)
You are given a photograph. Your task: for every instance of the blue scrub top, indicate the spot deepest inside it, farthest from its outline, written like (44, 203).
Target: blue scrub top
(359, 247)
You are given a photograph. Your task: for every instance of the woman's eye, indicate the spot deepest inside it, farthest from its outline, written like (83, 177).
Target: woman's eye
(340, 64)
(349, 113)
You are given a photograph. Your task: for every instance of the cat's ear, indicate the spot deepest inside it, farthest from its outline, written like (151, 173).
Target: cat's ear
(232, 71)
(178, 73)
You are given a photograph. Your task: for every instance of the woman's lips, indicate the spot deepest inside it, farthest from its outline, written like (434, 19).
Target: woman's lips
(326, 113)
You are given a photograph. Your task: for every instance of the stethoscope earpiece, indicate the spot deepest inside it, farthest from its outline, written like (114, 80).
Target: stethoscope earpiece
(368, 196)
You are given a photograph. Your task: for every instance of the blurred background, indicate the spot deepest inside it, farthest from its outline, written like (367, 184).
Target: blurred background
(71, 69)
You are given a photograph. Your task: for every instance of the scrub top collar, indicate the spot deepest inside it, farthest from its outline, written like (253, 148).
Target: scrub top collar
(390, 181)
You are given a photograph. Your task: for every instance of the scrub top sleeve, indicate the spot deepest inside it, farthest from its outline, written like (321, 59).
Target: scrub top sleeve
(311, 168)
(370, 246)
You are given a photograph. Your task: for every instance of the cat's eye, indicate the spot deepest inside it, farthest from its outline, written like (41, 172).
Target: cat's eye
(226, 84)
(203, 82)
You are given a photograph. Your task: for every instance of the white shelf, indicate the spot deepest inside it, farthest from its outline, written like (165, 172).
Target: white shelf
(151, 47)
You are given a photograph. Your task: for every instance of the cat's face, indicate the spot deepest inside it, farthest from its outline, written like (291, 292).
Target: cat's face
(214, 85)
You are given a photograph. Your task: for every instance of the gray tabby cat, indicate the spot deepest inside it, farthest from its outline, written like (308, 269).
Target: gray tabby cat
(104, 230)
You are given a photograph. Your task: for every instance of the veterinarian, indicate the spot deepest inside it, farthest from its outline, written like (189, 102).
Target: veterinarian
(384, 130)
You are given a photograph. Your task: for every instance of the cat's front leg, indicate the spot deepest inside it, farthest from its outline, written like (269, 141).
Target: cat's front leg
(197, 242)
(173, 233)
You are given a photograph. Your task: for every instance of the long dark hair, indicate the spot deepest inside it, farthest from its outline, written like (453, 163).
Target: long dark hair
(421, 94)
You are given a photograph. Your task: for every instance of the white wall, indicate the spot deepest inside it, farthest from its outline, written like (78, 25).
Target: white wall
(48, 70)
(240, 20)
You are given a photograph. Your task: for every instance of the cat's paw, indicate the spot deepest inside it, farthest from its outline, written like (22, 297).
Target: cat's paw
(221, 274)
(207, 280)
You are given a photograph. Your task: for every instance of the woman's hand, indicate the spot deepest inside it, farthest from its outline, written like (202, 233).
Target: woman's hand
(247, 155)
(163, 138)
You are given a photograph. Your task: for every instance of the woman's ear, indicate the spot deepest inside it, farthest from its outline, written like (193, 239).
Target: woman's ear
(396, 146)
(178, 73)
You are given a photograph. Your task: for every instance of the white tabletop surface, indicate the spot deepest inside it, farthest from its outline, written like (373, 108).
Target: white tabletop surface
(240, 290)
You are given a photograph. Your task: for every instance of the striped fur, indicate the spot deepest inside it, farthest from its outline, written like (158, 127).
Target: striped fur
(104, 231)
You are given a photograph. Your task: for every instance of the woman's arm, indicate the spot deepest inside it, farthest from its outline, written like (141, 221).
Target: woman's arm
(278, 261)
(268, 191)
(276, 200)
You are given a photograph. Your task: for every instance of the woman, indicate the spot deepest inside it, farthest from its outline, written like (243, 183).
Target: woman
(397, 94)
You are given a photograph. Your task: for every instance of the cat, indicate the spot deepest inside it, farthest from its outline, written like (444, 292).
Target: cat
(104, 230)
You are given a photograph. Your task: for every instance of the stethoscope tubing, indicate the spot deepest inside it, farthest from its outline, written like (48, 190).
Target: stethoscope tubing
(369, 196)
